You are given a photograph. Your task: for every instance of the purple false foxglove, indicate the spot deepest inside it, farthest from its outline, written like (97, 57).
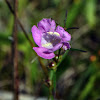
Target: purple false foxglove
(49, 38)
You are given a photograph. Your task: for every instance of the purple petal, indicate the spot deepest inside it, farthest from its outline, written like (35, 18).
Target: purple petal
(44, 25)
(58, 46)
(53, 25)
(64, 35)
(44, 53)
(36, 33)
(47, 25)
(66, 46)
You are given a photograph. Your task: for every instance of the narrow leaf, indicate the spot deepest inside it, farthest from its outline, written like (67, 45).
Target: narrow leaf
(72, 49)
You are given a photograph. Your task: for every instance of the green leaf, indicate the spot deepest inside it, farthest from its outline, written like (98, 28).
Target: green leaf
(74, 11)
(79, 83)
(54, 81)
(63, 64)
(73, 49)
(53, 78)
(88, 88)
(90, 10)
(51, 74)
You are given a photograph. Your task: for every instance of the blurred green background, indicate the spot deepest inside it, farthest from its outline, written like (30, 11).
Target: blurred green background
(78, 75)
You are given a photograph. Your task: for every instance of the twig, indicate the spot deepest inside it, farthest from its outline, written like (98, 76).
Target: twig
(15, 53)
(25, 33)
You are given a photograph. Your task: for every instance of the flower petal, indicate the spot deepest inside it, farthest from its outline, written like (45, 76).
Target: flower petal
(44, 53)
(58, 46)
(64, 35)
(66, 46)
(44, 25)
(36, 33)
(53, 25)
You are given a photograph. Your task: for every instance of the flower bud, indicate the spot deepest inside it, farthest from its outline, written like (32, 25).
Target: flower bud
(48, 83)
(52, 65)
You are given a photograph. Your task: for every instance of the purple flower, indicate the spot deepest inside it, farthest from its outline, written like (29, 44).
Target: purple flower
(49, 38)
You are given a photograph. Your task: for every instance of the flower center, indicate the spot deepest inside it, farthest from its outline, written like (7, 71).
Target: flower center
(50, 39)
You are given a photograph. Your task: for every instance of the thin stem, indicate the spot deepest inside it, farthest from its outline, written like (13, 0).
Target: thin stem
(53, 72)
(65, 19)
(27, 37)
(9, 6)
(50, 94)
(20, 24)
(58, 54)
(72, 28)
(15, 53)
(51, 97)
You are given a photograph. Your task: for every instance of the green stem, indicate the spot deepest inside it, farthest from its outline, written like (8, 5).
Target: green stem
(51, 97)
(50, 94)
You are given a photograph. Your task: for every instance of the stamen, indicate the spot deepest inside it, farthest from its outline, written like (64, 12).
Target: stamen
(54, 33)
